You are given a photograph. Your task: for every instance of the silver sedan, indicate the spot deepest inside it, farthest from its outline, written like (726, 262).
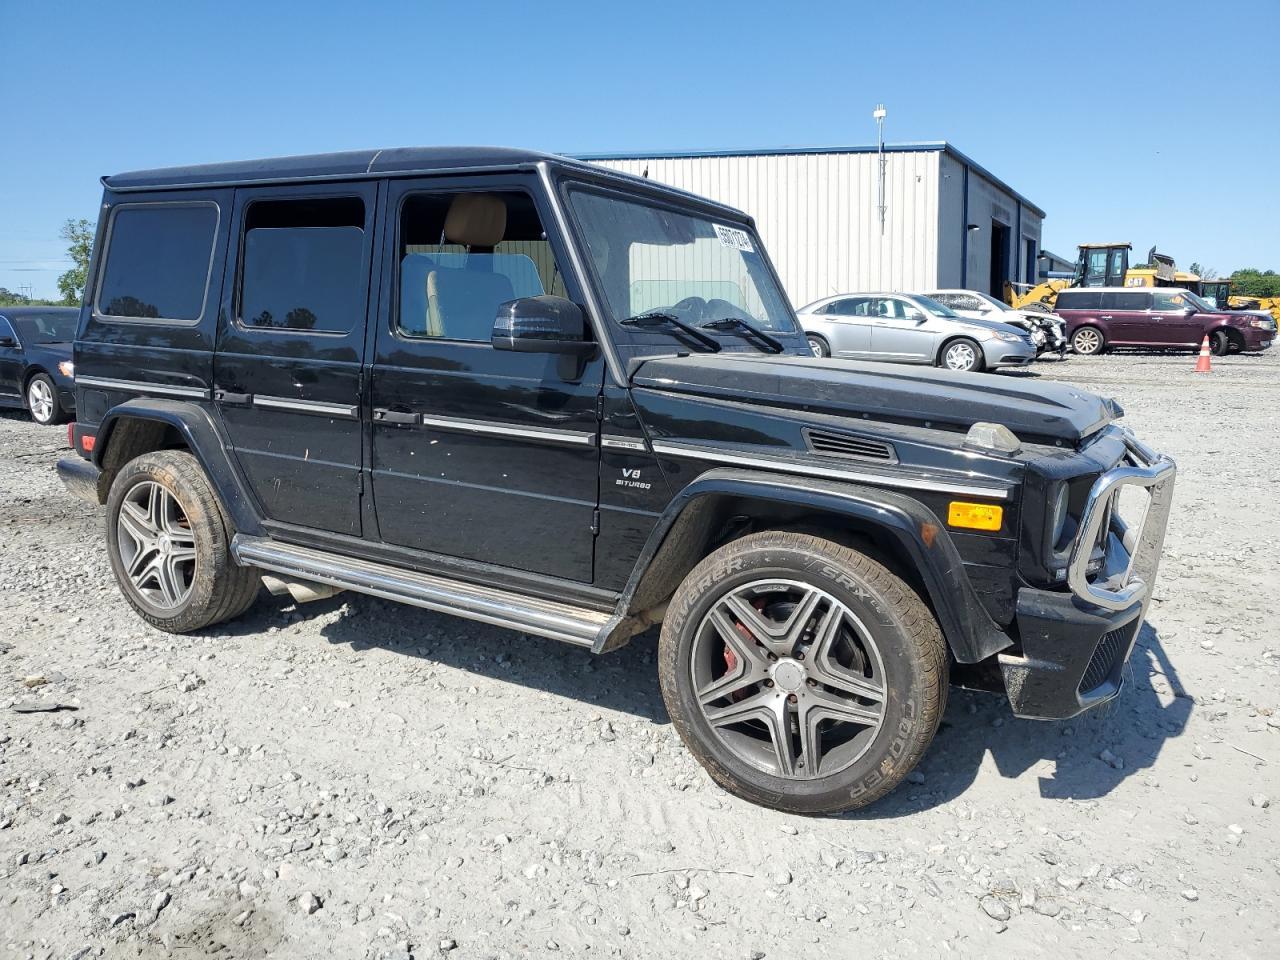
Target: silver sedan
(908, 328)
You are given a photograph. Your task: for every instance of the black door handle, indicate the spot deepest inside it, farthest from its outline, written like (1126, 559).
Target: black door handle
(404, 417)
(233, 399)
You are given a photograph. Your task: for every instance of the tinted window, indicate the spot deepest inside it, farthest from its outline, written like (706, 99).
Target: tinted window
(1126, 301)
(303, 265)
(48, 327)
(850, 307)
(1078, 300)
(5, 329)
(157, 264)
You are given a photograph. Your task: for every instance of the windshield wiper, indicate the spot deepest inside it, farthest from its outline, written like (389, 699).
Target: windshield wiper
(737, 323)
(650, 320)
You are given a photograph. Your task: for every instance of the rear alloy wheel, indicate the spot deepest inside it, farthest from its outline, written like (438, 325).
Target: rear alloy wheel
(803, 675)
(1087, 341)
(42, 400)
(170, 545)
(818, 346)
(1220, 343)
(963, 356)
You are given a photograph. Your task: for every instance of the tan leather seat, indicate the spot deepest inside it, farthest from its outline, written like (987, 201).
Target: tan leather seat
(462, 301)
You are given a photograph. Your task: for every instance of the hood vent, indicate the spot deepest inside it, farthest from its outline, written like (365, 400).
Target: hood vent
(831, 444)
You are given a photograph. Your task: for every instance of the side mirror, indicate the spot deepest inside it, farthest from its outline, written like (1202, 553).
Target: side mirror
(917, 316)
(541, 325)
(8, 342)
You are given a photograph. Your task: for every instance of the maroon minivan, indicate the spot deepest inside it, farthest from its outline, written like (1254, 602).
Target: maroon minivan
(1102, 317)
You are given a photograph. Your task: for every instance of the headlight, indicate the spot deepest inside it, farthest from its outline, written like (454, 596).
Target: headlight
(67, 368)
(1010, 337)
(1058, 516)
(1263, 324)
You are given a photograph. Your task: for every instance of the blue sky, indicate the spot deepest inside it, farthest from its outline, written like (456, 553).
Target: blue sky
(1118, 119)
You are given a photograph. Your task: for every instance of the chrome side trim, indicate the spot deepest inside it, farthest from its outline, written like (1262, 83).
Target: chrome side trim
(831, 473)
(546, 618)
(142, 386)
(1145, 468)
(344, 411)
(624, 443)
(458, 425)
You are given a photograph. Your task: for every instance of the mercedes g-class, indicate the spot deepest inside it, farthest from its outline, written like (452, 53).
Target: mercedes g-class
(545, 395)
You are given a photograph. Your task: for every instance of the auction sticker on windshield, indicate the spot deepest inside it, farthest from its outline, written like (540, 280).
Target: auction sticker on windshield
(737, 239)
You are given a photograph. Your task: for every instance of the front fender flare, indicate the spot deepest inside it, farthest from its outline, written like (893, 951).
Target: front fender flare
(205, 440)
(969, 630)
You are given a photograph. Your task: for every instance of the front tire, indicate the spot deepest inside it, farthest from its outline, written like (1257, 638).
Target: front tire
(817, 345)
(1220, 343)
(42, 401)
(962, 355)
(803, 675)
(170, 545)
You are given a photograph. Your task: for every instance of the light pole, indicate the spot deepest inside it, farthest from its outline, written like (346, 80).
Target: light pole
(879, 114)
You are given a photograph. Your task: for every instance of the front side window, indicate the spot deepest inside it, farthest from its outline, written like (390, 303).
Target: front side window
(157, 262)
(7, 331)
(700, 269)
(1171, 301)
(302, 265)
(462, 255)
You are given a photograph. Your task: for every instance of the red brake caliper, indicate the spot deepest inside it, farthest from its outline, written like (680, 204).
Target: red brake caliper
(731, 658)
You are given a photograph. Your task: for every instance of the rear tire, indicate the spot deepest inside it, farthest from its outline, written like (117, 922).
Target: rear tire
(790, 633)
(818, 345)
(1088, 341)
(42, 401)
(169, 544)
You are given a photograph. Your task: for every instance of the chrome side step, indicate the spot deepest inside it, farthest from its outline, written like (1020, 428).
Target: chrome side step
(546, 618)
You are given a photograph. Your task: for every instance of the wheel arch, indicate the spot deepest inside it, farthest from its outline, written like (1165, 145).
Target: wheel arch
(894, 529)
(143, 426)
(1234, 337)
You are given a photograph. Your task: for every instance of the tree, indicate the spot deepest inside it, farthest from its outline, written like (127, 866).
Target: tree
(79, 237)
(10, 299)
(1204, 273)
(1248, 282)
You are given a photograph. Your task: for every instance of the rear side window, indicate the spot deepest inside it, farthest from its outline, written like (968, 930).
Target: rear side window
(1079, 300)
(157, 262)
(852, 307)
(303, 266)
(1126, 301)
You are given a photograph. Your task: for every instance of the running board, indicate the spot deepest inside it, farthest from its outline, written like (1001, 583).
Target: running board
(546, 618)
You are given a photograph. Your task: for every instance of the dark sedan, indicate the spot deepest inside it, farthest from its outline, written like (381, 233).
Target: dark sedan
(35, 361)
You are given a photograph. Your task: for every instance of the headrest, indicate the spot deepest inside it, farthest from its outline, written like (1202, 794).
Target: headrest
(476, 220)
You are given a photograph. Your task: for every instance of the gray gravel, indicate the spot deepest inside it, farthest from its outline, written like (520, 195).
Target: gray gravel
(357, 779)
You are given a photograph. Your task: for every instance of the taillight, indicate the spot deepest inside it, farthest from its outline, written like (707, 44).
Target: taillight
(87, 441)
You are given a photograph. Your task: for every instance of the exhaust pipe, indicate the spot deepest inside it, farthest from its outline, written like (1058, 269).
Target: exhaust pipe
(302, 591)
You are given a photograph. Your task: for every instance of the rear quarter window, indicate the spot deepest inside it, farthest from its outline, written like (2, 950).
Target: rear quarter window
(157, 262)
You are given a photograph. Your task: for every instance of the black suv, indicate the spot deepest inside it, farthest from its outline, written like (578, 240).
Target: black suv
(545, 395)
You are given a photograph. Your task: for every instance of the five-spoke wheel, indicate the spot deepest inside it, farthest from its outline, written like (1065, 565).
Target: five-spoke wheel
(156, 545)
(789, 678)
(42, 400)
(802, 674)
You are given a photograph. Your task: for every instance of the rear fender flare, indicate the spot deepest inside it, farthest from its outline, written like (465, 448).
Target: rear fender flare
(969, 630)
(204, 439)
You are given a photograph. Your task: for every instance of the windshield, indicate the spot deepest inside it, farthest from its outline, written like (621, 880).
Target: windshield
(47, 327)
(992, 301)
(934, 307)
(655, 260)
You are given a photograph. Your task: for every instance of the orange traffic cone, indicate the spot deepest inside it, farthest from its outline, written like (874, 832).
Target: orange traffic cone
(1202, 365)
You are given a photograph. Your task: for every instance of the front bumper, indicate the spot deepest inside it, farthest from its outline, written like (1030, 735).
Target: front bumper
(1007, 353)
(80, 477)
(1074, 645)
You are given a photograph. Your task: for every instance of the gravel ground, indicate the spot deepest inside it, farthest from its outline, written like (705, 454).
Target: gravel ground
(359, 779)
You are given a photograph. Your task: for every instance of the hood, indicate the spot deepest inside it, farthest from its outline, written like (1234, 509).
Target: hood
(985, 326)
(1035, 412)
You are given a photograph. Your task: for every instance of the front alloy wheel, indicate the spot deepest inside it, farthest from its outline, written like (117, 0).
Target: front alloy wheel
(802, 674)
(964, 356)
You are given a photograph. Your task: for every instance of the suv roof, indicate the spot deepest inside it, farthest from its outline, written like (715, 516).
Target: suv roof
(1143, 289)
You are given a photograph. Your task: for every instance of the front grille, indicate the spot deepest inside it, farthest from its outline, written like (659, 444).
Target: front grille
(1106, 657)
(833, 444)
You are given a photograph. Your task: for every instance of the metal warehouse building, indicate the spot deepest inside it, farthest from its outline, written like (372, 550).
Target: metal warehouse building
(947, 222)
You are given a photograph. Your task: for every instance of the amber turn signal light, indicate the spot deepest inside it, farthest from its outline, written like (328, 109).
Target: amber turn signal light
(974, 516)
